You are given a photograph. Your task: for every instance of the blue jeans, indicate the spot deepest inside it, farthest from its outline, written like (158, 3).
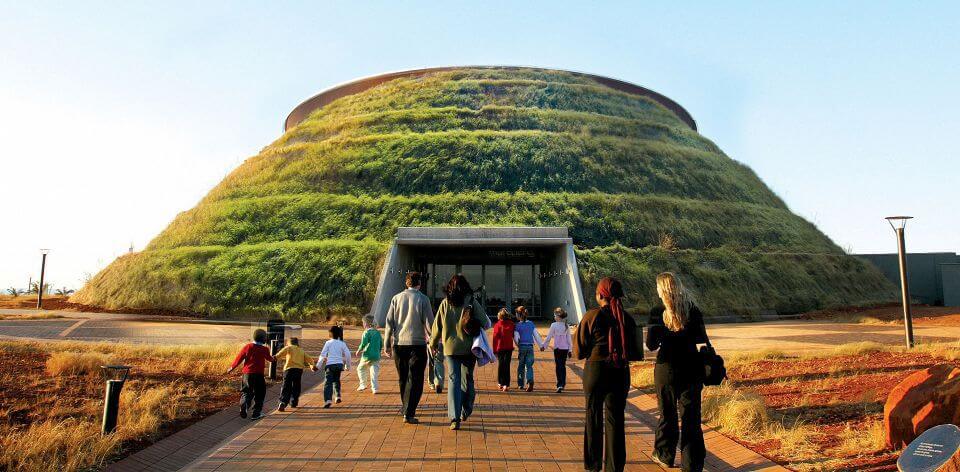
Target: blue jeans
(436, 368)
(331, 384)
(525, 366)
(460, 391)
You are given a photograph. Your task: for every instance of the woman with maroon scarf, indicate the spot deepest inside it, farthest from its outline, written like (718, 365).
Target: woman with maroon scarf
(605, 339)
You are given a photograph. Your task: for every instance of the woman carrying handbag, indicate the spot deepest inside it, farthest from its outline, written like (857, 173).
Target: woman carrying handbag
(676, 328)
(459, 319)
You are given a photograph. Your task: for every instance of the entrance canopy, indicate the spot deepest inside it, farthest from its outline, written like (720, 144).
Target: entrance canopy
(507, 267)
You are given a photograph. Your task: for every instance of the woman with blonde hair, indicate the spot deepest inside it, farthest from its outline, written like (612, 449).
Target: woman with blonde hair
(676, 327)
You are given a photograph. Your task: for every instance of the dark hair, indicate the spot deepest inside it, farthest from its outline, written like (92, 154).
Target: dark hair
(414, 279)
(560, 313)
(523, 313)
(457, 290)
(336, 332)
(260, 336)
(294, 341)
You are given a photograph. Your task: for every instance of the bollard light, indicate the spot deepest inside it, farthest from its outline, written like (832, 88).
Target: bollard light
(899, 224)
(115, 376)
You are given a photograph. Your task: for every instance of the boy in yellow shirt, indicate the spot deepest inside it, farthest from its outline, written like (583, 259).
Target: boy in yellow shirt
(296, 359)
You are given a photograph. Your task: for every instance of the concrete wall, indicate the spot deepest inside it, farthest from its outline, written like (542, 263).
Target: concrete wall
(924, 272)
(322, 99)
(951, 284)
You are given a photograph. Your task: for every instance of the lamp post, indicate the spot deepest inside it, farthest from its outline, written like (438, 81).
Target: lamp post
(899, 223)
(43, 267)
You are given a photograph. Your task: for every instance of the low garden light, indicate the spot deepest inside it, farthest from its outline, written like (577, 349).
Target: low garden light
(899, 224)
(115, 376)
(43, 267)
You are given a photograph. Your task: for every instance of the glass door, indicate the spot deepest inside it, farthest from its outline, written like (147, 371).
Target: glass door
(522, 285)
(495, 284)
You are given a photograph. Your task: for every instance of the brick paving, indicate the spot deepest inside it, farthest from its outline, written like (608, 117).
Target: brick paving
(514, 431)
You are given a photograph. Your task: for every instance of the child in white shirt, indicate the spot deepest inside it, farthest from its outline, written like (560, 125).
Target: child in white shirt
(336, 356)
(560, 334)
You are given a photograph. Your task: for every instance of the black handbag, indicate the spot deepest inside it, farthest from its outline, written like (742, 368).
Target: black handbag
(714, 372)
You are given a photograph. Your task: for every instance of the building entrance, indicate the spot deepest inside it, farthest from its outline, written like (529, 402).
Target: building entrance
(506, 266)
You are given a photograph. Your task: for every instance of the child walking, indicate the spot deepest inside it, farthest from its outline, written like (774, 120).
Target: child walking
(295, 360)
(335, 358)
(371, 345)
(503, 347)
(254, 357)
(560, 334)
(526, 336)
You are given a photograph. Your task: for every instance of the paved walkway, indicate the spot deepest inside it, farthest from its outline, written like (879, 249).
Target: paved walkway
(541, 431)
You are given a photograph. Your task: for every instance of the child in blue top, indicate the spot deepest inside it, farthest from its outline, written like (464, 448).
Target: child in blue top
(526, 336)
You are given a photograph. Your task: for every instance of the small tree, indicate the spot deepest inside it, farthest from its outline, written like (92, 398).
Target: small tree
(63, 291)
(14, 291)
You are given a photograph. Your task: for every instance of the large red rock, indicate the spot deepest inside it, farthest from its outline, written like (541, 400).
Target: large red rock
(923, 400)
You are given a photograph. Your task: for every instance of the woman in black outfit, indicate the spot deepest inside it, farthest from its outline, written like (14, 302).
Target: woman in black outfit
(676, 327)
(605, 338)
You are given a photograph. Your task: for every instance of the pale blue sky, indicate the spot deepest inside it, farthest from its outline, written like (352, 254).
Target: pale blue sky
(133, 111)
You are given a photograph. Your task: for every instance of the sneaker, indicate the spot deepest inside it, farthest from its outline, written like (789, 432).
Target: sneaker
(410, 420)
(529, 387)
(559, 389)
(454, 425)
(293, 403)
(257, 416)
(282, 407)
(326, 404)
(439, 389)
(361, 388)
(373, 392)
(339, 400)
(243, 412)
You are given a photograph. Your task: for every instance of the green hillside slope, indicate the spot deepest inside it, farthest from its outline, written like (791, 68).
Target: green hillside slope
(301, 228)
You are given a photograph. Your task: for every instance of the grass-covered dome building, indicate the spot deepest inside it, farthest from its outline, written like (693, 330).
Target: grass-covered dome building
(303, 228)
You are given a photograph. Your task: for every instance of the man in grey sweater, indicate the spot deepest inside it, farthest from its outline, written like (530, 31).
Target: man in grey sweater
(408, 323)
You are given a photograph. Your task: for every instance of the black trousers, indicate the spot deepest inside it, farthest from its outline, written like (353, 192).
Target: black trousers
(678, 390)
(411, 362)
(560, 362)
(290, 391)
(604, 441)
(253, 389)
(503, 367)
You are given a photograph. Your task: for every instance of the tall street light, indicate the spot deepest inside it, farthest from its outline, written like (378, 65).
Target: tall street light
(43, 268)
(899, 223)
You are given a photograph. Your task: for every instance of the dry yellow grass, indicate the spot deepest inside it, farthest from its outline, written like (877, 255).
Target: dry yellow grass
(67, 435)
(76, 363)
(32, 316)
(66, 445)
(860, 441)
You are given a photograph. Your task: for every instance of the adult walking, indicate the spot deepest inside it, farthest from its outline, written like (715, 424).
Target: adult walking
(606, 340)
(407, 327)
(676, 327)
(458, 305)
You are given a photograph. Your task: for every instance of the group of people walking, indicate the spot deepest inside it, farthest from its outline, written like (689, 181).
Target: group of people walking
(606, 339)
